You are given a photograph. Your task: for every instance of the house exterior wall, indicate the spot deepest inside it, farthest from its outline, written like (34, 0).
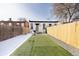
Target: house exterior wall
(25, 28)
(40, 29)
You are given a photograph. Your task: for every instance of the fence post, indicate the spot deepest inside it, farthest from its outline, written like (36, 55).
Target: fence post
(76, 33)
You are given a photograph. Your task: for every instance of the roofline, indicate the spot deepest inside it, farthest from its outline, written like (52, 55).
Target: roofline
(45, 21)
(13, 21)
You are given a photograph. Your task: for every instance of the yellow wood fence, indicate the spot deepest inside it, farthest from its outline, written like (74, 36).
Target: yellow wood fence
(68, 33)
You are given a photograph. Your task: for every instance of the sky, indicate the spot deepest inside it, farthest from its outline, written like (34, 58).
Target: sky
(32, 11)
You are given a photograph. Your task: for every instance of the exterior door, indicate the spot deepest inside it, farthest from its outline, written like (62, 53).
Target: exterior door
(37, 28)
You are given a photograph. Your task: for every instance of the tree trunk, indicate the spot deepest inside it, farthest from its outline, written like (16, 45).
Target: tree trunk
(70, 19)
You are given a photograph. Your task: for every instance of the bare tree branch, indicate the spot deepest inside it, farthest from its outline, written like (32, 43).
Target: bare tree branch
(66, 10)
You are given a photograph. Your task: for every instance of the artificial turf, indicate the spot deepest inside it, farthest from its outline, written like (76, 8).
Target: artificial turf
(40, 45)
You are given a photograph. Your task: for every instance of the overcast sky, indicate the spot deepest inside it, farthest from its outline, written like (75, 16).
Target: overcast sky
(33, 11)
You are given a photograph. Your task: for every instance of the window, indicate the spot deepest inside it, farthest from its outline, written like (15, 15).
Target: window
(17, 23)
(43, 26)
(31, 26)
(10, 24)
(37, 27)
(50, 24)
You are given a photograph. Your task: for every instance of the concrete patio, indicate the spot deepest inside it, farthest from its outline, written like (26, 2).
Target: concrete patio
(8, 46)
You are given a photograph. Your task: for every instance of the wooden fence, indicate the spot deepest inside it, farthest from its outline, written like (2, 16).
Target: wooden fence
(10, 29)
(68, 33)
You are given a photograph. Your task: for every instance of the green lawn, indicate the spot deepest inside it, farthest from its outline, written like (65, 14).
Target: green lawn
(40, 45)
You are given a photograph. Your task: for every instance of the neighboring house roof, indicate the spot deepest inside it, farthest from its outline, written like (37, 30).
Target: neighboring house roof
(13, 21)
(44, 21)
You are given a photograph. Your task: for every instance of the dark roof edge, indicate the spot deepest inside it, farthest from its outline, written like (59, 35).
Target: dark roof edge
(44, 21)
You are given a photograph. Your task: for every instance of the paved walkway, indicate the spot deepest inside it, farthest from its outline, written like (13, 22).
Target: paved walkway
(8, 46)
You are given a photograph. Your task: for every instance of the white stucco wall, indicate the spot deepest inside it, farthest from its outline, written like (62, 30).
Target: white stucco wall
(40, 29)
